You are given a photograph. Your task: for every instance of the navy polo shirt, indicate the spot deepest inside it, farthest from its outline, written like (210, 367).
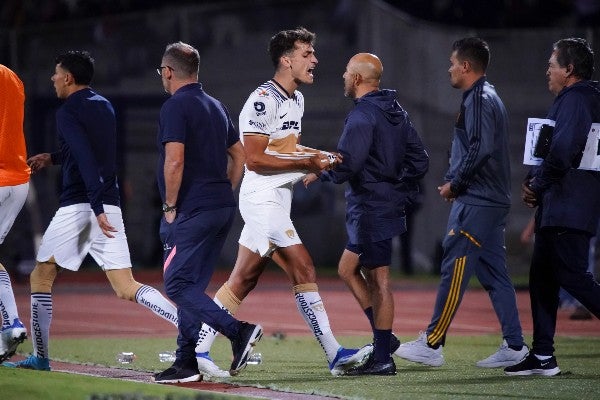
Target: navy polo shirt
(202, 124)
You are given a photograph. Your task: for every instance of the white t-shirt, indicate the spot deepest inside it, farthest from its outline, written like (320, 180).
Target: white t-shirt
(271, 113)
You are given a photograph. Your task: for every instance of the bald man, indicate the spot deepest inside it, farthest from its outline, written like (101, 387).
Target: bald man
(383, 159)
(270, 127)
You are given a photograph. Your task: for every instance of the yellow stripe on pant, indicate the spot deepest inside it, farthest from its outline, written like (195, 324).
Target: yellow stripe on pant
(451, 302)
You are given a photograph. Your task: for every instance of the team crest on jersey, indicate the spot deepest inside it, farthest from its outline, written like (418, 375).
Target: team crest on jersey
(257, 124)
(290, 233)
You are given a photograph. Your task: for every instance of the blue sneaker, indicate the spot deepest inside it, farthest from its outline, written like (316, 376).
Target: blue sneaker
(349, 358)
(10, 338)
(31, 362)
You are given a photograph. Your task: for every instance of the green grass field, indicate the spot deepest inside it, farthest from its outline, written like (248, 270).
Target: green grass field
(297, 364)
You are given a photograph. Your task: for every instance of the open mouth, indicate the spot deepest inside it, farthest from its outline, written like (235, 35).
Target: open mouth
(310, 71)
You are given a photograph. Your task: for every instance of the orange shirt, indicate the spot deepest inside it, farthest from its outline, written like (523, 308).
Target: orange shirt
(13, 154)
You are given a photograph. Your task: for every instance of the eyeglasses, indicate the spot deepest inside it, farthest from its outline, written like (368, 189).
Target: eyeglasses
(159, 69)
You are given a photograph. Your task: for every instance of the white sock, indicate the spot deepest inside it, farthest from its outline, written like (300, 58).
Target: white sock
(313, 311)
(157, 303)
(8, 307)
(207, 335)
(41, 317)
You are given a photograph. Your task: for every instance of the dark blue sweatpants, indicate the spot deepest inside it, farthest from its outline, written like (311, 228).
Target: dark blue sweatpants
(192, 247)
(474, 243)
(560, 258)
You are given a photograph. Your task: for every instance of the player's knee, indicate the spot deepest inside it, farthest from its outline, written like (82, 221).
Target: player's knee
(42, 277)
(346, 273)
(123, 284)
(242, 284)
(302, 271)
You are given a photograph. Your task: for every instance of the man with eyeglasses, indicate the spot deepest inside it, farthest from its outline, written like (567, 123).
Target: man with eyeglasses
(195, 138)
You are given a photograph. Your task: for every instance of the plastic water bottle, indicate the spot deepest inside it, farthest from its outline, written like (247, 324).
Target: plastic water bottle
(125, 357)
(166, 356)
(254, 359)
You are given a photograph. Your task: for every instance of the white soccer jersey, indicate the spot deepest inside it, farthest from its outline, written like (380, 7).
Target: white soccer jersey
(270, 113)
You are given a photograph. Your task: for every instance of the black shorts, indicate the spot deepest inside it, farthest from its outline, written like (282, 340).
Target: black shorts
(373, 254)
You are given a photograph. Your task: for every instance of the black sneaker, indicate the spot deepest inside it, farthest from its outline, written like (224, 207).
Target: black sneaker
(373, 367)
(532, 365)
(177, 374)
(247, 336)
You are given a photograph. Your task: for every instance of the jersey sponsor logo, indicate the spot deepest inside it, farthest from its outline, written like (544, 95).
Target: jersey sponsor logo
(37, 330)
(263, 93)
(260, 107)
(259, 125)
(159, 310)
(290, 125)
(282, 116)
(310, 314)
(4, 312)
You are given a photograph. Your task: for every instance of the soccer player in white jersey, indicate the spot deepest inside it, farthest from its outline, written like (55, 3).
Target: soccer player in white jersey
(270, 126)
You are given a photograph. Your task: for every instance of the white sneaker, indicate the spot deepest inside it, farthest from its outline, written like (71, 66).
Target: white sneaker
(10, 339)
(419, 351)
(349, 358)
(208, 368)
(504, 357)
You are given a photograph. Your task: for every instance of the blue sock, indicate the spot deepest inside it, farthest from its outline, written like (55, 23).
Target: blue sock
(369, 313)
(381, 352)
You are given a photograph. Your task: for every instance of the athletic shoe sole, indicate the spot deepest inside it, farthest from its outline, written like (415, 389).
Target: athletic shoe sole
(193, 378)
(529, 372)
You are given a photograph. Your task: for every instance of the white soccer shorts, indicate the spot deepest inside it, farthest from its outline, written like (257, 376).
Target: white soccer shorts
(74, 232)
(12, 199)
(267, 223)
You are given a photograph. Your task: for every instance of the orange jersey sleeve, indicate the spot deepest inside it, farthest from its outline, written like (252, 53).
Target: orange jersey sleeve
(13, 153)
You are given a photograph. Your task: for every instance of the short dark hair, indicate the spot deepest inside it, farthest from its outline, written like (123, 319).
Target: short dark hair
(577, 52)
(80, 64)
(184, 59)
(474, 50)
(283, 42)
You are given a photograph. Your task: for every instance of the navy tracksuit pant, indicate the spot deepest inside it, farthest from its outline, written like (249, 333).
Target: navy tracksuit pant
(560, 258)
(192, 247)
(474, 244)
